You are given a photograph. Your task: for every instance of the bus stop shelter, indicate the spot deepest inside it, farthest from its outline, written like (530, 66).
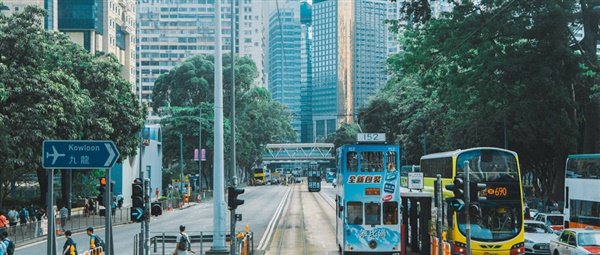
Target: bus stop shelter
(416, 217)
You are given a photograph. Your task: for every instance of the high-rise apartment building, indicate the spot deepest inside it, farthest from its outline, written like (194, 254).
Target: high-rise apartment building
(102, 25)
(351, 43)
(174, 30)
(50, 22)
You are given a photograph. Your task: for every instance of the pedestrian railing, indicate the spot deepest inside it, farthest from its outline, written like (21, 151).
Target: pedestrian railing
(164, 242)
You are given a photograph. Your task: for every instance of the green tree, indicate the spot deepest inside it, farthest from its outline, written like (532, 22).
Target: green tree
(55, 90)
(179, 95)
(494, 68)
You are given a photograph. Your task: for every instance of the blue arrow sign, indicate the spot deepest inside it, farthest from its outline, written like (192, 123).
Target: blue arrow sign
(137, 212)
(78, 154)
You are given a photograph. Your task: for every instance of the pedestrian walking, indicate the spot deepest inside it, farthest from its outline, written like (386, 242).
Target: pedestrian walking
(64, 213)
(23, 219)
(3, 222)
(31, 211)
(157, 192)
(183, 242)
(70, 247)
(95, 241)
(13, 220)
(10, 245)
(2, 245)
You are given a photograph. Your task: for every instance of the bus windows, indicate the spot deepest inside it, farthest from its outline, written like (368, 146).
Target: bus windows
(371, 161)
(372, 212)
(355, 213)
(390, 213)
(352, 162)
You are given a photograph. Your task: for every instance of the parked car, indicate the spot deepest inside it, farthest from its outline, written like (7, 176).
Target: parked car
(555, 221)
(576, 241)
(537, 237)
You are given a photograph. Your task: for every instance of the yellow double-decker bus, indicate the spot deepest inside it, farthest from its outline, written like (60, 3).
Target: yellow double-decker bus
(497, 226)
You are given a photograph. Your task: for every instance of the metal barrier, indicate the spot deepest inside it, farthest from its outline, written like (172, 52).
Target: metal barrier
(164, 242)
(38, 229)
(95, 251)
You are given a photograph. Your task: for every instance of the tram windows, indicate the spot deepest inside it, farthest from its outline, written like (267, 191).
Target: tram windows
(352, 162)
(371, 161)
(373, 212)
(355, 213)
(390, 213)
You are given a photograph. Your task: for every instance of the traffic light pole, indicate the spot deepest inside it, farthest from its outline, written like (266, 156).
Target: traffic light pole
(440, 215)
(108, 213)
(232, 231)
(142, 232)
(147, 216)
(467, 202)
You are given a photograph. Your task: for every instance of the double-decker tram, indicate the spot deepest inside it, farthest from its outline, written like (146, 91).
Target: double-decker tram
(582, 206)
(368, 203)
(496, 220)
(314, 178)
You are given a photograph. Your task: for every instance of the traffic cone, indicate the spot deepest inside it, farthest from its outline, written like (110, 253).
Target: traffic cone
(58, 229)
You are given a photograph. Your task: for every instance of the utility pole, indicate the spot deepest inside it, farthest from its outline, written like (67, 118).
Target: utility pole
(232, 177)
(467, 202)
(219, 224)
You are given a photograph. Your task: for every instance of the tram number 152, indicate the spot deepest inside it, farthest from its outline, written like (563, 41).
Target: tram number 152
(370, 137)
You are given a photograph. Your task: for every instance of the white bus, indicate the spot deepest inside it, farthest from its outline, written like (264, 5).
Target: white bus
(582, 206)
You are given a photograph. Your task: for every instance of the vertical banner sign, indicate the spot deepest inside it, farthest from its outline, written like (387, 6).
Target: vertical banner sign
(203, 155)
(195, 154)
(146, 136)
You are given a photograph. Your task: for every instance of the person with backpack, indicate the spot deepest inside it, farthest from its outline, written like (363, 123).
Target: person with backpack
(95, 241)
(23, 219)
(10, 245)
(183, 242)
(2, 245)
(70, 247)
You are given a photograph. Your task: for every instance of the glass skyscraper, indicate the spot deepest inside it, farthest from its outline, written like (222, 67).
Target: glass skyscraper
(286, 60)
(350, 46)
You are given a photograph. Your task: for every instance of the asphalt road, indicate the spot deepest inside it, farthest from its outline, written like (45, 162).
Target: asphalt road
(259, 211)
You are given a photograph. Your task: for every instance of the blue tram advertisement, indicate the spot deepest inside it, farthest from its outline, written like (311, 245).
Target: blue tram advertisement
(368, 217)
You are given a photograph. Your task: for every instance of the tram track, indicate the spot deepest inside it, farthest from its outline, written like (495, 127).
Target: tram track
(306, 226)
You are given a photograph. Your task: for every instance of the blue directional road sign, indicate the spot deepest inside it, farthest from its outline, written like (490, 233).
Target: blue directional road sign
(78, 154)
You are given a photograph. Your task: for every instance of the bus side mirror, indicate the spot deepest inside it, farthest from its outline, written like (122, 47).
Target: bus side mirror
(341, 208)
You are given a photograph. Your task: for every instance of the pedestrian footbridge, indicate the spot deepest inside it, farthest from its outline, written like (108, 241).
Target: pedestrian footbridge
(299, 152)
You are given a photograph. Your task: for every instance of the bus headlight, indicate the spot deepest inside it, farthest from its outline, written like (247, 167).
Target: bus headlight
(459, 248)
(517, 249)
(373, 244)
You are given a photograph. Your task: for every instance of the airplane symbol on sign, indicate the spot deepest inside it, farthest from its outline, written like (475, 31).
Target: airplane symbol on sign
(55, 155)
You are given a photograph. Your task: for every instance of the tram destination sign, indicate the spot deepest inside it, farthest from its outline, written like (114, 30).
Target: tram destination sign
(370, 138)
(78, 154)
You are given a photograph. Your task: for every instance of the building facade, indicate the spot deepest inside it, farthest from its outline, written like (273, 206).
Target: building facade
(351, 43)
(173, 30)
(285, 59)
(50, 22)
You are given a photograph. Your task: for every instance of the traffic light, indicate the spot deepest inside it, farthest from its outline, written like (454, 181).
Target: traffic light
(232, 199)
(156, 209)
(457, 203)
(102, 189)
(474, 190)
(138, 206)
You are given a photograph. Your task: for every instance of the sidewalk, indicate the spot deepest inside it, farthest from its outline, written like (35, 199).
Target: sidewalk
(79, 223)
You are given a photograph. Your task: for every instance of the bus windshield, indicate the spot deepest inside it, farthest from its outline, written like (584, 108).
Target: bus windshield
(489, 165)
(500, 215)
